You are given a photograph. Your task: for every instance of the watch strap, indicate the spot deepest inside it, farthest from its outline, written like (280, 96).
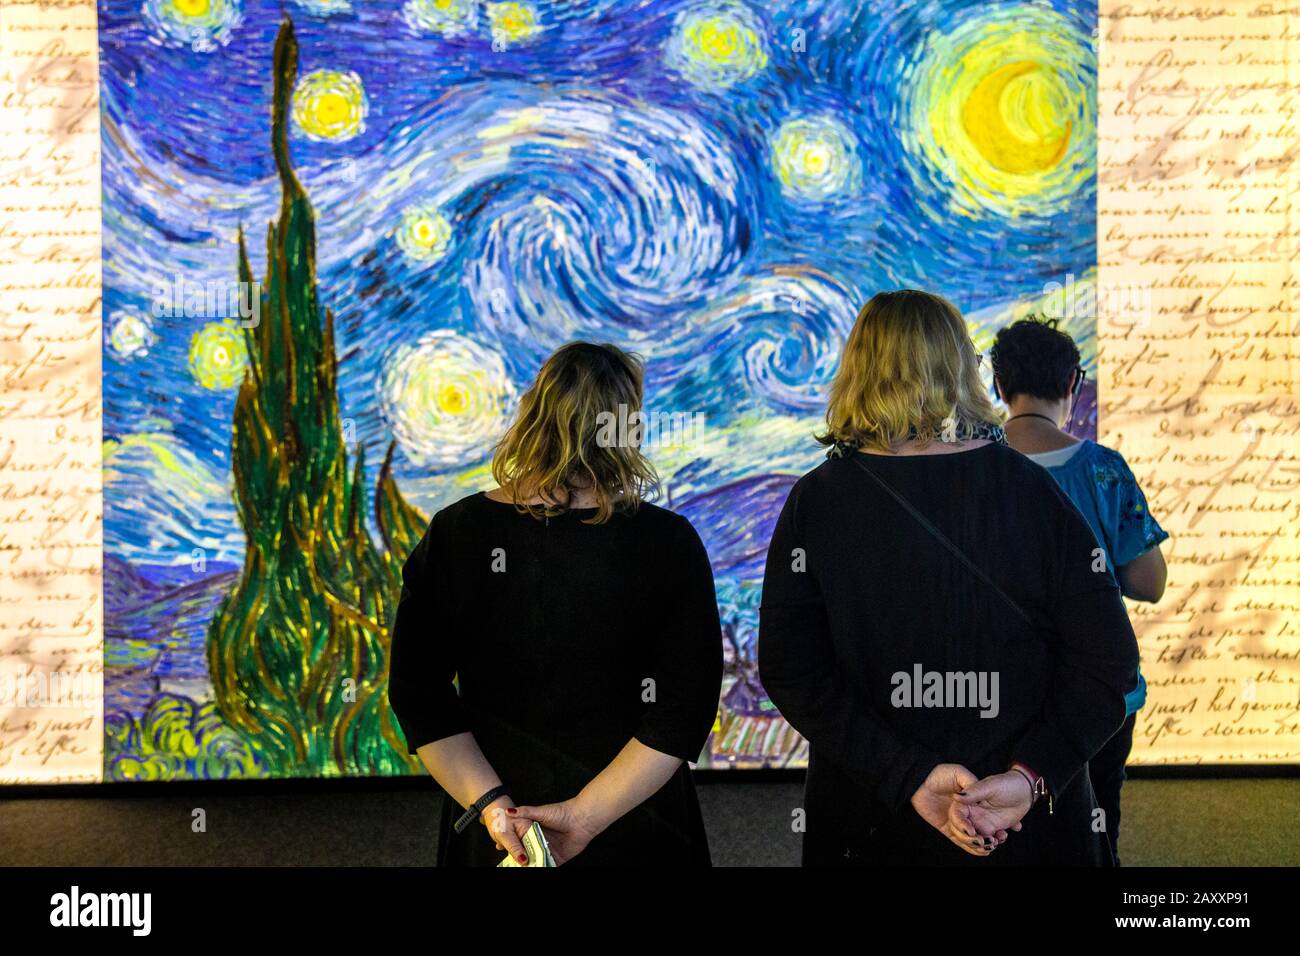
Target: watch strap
(1037, 782)
(476, 809)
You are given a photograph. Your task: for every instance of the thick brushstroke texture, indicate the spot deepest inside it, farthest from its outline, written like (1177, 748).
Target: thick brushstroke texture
(716, 184)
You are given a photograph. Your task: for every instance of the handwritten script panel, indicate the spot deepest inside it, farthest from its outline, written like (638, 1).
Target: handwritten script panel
(1197, 218)
(51, 492)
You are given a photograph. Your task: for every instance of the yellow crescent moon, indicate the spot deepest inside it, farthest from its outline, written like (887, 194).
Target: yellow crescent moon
(1015, 93)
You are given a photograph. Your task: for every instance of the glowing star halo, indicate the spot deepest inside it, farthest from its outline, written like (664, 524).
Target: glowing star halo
(447, 398)
(218, 357)
(511, 23)
(330, 105)
(1003, 108)
(131, 334)
(815, 158)
(450, 18)
(716, 46)
(424, 233)
(202, 25)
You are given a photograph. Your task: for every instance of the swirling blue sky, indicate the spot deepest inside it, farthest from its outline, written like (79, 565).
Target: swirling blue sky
(592, 186)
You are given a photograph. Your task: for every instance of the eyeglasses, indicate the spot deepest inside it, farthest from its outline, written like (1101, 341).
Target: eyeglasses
(1077, 391)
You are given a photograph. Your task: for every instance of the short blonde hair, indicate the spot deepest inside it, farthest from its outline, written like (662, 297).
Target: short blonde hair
(555, 447)
(909, 369)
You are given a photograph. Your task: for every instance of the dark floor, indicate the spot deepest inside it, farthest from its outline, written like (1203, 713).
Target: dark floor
(1248, 822)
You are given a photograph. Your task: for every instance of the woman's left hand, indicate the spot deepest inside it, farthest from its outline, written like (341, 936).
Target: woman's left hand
(567, 829)
(934, 800)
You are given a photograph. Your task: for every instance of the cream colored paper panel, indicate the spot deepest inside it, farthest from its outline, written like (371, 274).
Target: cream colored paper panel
(51, 492)
(1199, 141)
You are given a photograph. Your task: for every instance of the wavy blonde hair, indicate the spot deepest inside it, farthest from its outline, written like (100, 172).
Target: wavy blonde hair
(909, 369)
(557, 445)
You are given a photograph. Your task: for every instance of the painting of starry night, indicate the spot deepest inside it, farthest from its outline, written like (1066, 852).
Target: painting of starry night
(340, 236)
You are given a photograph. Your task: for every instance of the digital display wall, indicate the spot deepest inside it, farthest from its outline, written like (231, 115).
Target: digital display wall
(336, 239)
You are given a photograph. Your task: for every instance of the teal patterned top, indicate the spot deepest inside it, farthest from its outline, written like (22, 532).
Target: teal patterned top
(1100, 483)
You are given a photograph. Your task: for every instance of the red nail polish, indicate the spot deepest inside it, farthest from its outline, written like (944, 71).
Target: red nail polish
(510, 810)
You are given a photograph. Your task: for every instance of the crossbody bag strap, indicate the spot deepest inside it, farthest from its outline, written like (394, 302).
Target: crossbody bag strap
(939, 536)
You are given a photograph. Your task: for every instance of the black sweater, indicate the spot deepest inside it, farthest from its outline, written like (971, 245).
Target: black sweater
(567, 639)
(878, 596)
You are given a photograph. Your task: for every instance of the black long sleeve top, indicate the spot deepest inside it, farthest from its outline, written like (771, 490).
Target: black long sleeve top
(565, 640)
(856, 592)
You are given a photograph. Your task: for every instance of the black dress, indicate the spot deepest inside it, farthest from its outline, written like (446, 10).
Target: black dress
(856, 593)
(566, 640)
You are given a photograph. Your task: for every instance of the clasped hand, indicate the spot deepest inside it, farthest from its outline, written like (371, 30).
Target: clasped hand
(568, 829)
(977, 815)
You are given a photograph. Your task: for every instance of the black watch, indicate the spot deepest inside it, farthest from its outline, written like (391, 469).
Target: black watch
(476, 809)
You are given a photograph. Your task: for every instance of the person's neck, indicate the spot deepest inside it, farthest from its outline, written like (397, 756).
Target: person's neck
(912, 446)
(578, 498)
(1034, 426)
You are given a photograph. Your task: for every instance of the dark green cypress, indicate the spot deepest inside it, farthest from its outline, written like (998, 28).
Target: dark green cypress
(298, 652)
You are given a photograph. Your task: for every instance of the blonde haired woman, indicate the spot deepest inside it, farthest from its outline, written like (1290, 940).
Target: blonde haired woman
(934, 620)
(580, 625)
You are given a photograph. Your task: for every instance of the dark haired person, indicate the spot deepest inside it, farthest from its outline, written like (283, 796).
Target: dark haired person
(925, 546)
(580, 625)
(1037, 374)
